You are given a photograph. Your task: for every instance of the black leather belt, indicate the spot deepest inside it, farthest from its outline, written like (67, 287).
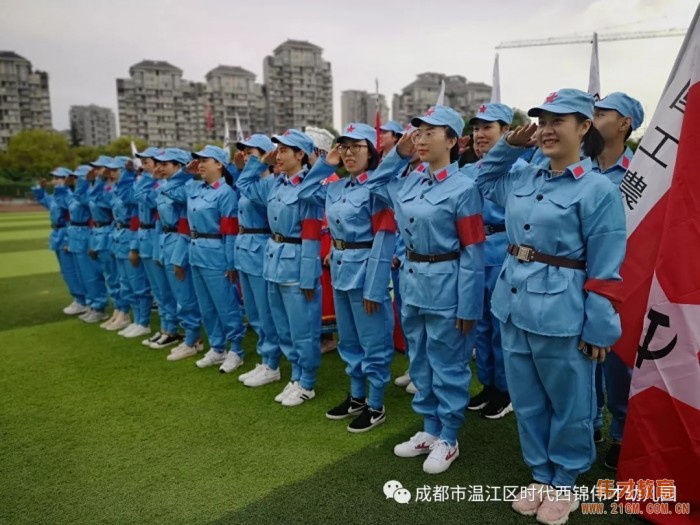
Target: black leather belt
(197, 235)
(57, 226)
(289, 240)
(432, 258)
(84, 224)
(339, 244)
(123, 225)
(490, 229)
(143, 226)
(102, 224)
(525, 253)
(169, 229)
(243, 230)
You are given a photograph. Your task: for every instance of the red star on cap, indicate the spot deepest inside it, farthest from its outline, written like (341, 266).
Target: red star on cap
(430, 112)
(247, 138)
(482, 109)
(350, 129)
(287, 133)
(551, 98)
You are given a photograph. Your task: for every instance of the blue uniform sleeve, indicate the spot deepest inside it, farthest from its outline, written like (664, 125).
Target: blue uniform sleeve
(228, 210)
(311, 190)
(497, 172)
(471, 276)
(42, 197)
(382, 182)
(378, 273)
(125, 187)
(178, 192)
(604, 230)
(181, 251)
(311, 222)
(251, 184)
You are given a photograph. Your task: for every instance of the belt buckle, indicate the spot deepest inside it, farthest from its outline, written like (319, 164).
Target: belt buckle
(277, 237)
(432, 258)
(241, 230)
(488, 229)
(339, 244)
(525, 253)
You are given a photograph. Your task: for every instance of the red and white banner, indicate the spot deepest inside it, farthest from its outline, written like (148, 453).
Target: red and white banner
(661, 292)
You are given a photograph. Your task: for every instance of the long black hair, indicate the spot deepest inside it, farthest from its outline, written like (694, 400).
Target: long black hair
(593, 143)
(454, 152)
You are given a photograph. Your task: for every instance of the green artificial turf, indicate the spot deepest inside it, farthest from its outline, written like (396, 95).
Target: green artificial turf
(98, 429)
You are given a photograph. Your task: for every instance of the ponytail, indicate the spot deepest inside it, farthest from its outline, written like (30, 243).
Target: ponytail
(593, 143)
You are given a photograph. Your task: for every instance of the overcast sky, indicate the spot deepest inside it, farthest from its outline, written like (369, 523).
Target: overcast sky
(86, 44)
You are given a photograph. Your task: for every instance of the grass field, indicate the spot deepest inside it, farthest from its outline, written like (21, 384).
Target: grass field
(98, 429)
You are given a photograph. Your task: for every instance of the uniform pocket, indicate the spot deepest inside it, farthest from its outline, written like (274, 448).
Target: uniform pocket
(547, 285)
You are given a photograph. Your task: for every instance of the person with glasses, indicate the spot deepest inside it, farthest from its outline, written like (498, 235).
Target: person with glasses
(292, 262)
(566, 228)
(362, 228)
(438, 210)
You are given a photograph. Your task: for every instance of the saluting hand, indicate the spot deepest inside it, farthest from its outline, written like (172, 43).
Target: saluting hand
(193, 167)
(239, 160)
(465, 325)
(405, 145)
(522, 136)
(463, 143)
(42, 182)
(270, 158)
(333, 157)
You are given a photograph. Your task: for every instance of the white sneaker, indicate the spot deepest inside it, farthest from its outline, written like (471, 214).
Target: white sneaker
(418, 445)
(287, 389)
(298, 396)
(250, 373)
(152, 339)
(75, 308)
(165, 340)
(109, 321)
(127, 330)
(442, 454)
(94, 316)
(403, 381)
(137, 331)
(265, 376)
(182, 351)
(122, 321)
(211, 358)
(84, 315)
(411, 388)
(231, 363)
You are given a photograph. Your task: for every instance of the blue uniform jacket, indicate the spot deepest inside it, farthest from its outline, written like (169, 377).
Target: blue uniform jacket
(125, 211)
(577, 215)
(78, 206)
(145, 196)
(57, 204)
(172, 212)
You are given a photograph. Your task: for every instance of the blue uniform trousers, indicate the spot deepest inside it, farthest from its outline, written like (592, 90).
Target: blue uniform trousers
(187, 312)
(257, 307)
(489, 353)
(167, 307)
(69, 271)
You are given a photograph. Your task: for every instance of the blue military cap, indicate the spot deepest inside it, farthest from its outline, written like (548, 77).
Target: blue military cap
(493, 113)
(441, 116)
(257, 140)
(566, 101)
(173, 155)
(149, 153)
(625, 106)
(297, 139)
(82, 171)
(101, 162)
(61, 172)
(118, 163)
(213, 152)
(359, 131)
(392, 126)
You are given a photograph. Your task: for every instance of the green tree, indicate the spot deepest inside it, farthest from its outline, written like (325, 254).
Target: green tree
(87, 154)
(520, 118)
(122, 146)
(34, 153)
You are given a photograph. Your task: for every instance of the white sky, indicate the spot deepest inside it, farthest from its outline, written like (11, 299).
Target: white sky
(86, 44)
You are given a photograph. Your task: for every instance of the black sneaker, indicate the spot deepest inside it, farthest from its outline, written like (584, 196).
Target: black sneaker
(613, 456)
(597, 436)
(350, 407)
(480, 400)
(166, 340)
(498, 406)
(367, 420)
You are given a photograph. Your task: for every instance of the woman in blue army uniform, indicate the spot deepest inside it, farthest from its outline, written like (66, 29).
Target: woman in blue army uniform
(490, 123)
(144, 249)
(253, 233)
(174, 246)
(566, 226)
(292, 258)
(57, 204)
(100, 197)
(616, 117)
(363, 231)
(79, 245)
(133, 284)
(438, 210)
(212, 213)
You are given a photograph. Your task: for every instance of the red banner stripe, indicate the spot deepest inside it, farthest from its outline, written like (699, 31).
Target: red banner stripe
(471, 230)
(384, 221)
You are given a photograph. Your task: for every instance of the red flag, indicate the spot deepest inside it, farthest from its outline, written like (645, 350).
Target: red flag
(210, 117)
(661, 295)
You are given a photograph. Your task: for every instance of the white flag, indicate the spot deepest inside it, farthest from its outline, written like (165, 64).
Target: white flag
(496, 89)
(135, 159)
(227, 136)
(239, 130)
(441, 95)
(594, 75)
